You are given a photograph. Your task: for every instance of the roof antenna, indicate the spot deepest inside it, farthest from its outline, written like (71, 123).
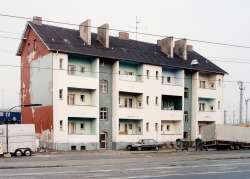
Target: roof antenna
(136, 26)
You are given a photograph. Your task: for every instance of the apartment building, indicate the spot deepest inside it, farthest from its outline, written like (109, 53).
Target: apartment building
(104, 92)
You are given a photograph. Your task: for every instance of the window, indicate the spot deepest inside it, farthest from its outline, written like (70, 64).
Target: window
(219, 105)
(219, 82)
(185, 116)
(202, 84)
(186, 93)
(156, 101)
(147, 74)
(71, 70)
(130, 126)
(82, 126)
(104, 114)
(104, 86)
(147, 100)
(212, 85)
(61, 125)
(71, 99)
(61, 63)
(169, 79)
(71, 128)
(60, 94)
(156, 126)
(211, 108)
(161, 127)
(157, 75)
(82, 98)
(119, 100)
(128, 102)
(28, 47)
(139, 103)
(201, 106)
(147, 126)
(82, 70)
(35, 44)
(168, 127)
(103, 63)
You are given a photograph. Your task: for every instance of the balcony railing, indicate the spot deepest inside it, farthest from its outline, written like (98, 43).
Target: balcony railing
(137, 78)
(133, 107)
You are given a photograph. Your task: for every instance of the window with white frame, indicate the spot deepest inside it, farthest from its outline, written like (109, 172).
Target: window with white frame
(201, 106)
(82, 69)
(161, 127)
(82, 98)
(168, 127)
(71, 70)
(71, 99)
(104, 86)
(147, 126)
(61, 63)
(147, 100)
(186, 93)
(128, 103)
(157, 75)
(103, 63)
(104, 113)
(156, 100)
(156, 126)
(61, 125)
(147, 74)
(202, 84)
(60, 94)
(82, 126)
(185, 116)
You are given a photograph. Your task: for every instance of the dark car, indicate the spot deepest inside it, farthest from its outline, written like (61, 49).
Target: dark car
(144, 144)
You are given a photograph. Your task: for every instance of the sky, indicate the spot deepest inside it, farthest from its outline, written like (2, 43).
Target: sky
(224, 21)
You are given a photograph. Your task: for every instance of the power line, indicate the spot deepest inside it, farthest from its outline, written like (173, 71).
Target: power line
(148, 34)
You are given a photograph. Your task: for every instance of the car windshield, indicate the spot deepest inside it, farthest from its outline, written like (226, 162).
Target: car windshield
(140, 142)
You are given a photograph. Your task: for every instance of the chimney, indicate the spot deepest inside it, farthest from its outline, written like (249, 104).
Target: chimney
(180, 48)
(103, 35)
(37, 20)
(167, 46)
(189, 47)
(85, 31)
(124, 35)
(158, 42)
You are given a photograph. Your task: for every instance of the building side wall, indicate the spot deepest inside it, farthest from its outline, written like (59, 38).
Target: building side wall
(42, 117)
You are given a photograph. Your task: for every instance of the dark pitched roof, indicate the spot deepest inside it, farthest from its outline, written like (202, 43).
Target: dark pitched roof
(69, 41)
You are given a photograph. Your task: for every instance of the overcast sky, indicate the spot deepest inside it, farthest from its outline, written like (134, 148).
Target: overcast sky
(224, 21)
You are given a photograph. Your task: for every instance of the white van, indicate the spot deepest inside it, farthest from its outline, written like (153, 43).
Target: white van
(21, 139)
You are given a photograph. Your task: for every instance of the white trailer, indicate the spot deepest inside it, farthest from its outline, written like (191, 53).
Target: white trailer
(227, 136)
(21, 139)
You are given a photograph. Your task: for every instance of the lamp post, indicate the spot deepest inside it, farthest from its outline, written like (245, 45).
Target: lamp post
(7, 121)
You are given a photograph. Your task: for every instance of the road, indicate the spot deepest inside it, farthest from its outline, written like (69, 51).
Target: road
(147, 165)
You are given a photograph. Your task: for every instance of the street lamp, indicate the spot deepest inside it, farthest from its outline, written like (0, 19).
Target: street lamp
(7, 121)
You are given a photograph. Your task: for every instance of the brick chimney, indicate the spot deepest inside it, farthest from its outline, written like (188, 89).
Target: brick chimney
(85, 31)
(124, 35)
(158, 42)
(167, 46)
(180, 48)
(37, 20)
(189, 47)
(103, 35)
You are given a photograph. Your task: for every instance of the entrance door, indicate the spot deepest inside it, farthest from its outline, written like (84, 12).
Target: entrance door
(103, 140)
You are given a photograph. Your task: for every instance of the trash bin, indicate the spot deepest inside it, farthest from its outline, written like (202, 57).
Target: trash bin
(198, 144)
(182, 144)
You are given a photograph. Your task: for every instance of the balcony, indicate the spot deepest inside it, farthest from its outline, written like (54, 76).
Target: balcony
(130, 126)
(172, 76)
(81, 126)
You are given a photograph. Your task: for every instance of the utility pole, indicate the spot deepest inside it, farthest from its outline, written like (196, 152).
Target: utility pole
(241, 99)
(247, 110)
(225, 116)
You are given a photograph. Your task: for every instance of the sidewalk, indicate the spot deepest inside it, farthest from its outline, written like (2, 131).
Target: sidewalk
(113, 157)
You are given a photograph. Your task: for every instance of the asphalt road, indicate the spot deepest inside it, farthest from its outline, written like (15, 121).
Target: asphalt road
(144, 165)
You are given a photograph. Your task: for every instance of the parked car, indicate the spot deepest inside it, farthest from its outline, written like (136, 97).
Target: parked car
(144, 144)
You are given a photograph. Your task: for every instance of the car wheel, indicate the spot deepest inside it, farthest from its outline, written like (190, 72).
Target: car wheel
(27, 152)
(232, 147)
(139, 148)
(18, 152)
(237, 147)
(156, 148)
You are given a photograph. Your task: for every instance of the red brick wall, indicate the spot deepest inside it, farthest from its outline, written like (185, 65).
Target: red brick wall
(42, 117)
